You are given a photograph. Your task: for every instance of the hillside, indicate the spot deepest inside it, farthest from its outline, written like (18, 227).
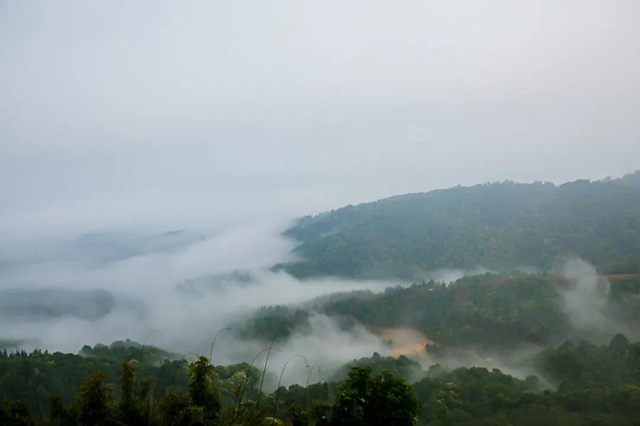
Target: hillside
(488, 312)
(499, 226)
(596, 384)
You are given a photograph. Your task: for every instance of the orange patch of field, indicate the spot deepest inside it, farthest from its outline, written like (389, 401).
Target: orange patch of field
(405, 341)
(620, 277)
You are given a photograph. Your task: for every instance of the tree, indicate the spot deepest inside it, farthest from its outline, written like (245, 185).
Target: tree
(95, 402)
(374, 400)
(393, 402)
(60, 416)
(18, 415)
(296, 415)
(202, 392)
(129, 406)
(176, 410)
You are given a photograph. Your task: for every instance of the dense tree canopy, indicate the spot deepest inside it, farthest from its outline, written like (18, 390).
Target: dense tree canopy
(382, 400)
(498, 226)
(488, 311)
(578, 383)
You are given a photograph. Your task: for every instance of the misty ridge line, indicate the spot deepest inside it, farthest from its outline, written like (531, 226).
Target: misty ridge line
(500, 226)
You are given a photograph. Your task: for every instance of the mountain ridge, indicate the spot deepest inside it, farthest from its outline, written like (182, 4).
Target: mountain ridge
(497, 225)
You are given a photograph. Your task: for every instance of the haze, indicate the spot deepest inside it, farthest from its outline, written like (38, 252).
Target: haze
(127, 114)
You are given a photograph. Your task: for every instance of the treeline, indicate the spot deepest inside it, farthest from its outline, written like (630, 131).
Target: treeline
(197, 394)
(499, 226)
(595, 385)
(478, 396)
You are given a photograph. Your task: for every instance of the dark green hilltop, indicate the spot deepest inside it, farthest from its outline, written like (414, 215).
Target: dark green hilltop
(499, 226)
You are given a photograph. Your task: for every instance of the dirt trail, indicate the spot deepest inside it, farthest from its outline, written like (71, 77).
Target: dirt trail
(405, 341)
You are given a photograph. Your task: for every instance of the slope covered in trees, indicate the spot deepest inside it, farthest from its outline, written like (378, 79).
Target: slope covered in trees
(593, 384)
(484, 312)
(499, 226)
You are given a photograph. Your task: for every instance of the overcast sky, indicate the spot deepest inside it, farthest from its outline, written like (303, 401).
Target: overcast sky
(120, 113)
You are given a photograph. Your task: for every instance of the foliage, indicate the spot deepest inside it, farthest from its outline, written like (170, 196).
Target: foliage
(477, 396)
(499, 226)
(271, 320)
(95, 405)
(587, 366)
(202, 392)
(366, 400)
(14, 413)
(486, 312)
(61, 374)
(597, 384)
(402, 366)
(127, 349)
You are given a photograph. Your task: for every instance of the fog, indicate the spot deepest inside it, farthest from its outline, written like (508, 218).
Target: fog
(586, 301)
(174, 294)
(587, 304)
(151, 144)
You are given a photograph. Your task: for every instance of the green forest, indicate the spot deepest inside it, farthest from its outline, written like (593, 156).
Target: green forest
(487, 312)
(128, 384)
(500, 226)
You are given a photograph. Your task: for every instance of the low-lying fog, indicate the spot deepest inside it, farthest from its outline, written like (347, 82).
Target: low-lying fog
(98, 288)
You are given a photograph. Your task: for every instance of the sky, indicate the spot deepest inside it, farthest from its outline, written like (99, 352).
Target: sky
(164, 114)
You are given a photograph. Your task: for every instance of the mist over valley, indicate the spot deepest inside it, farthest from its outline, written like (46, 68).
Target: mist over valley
(319, 213)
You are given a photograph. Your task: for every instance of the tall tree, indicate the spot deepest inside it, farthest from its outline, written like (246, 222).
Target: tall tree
(95, 402)
(129, 406)
(365, 400)
(202, 392)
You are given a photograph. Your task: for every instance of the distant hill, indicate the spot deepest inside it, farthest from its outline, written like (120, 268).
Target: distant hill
(48, 304)
(498, 226)
(492, 312)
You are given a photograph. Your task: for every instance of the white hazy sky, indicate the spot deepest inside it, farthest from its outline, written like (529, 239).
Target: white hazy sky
(119, 113)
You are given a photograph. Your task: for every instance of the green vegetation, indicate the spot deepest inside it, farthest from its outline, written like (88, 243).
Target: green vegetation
(583, 365)
(402, 366)
(477, 396)
(485, 312)
(596, 384)
(500, 226)
(365, 400)
(104, 390)
(268, 321)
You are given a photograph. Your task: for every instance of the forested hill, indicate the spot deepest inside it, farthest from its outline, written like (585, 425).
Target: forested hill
(498, 226)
